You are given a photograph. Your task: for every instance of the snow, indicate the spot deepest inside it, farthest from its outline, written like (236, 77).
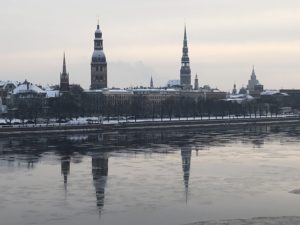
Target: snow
(119, 91)
(83, 120)
(3, 84)
(52, 93)
(3, 121)
(239, 98)
(91, 91)
(25, 88)
(144, 90)
(273, 92)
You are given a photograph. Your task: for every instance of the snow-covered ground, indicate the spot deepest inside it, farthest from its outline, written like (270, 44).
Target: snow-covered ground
(254, 221)
(96, 120)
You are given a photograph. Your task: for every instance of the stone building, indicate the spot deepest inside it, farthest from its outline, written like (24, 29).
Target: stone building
(254, 87)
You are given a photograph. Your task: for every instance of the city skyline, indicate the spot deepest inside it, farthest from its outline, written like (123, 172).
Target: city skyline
(225, 41)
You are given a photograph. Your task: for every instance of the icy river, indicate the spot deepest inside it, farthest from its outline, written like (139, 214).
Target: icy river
(199, 176)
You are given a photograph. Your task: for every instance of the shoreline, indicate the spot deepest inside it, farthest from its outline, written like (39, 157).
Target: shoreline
(149, 125)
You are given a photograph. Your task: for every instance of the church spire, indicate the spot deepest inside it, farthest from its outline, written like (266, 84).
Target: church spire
(185, 37)
(185, 71)
(253, 71)
(64, 65)
(64, 77)
(151, 83)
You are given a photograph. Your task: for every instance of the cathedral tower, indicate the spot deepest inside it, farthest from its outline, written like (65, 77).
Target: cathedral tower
(185, 71)
(98, 64)
(64, 78)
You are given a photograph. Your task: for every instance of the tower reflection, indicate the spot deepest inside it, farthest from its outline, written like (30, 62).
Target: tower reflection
(65, 169)
(186, 154)
(100, 172)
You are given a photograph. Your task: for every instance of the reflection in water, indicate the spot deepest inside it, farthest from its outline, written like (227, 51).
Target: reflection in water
(186, 154)
(100, 172)
(65, 169)
(26, 152)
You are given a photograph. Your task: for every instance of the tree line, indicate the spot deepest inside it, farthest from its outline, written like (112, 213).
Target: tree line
(78, 103)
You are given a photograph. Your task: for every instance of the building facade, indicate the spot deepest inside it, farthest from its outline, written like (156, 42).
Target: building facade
(98, 64)
(253, 81)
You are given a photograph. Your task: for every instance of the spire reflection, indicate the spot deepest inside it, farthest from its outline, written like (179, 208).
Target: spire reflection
(100, 172)
(186, 154)
(65, 169)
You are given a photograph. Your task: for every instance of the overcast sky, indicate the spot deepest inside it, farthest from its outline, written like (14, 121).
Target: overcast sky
(144, 38)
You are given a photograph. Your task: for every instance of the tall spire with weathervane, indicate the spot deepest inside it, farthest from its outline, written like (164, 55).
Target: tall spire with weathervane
(185, 71)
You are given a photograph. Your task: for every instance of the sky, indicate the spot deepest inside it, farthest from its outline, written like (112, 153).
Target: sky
(143, 38)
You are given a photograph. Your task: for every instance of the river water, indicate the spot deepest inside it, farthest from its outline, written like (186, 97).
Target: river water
(148, 178)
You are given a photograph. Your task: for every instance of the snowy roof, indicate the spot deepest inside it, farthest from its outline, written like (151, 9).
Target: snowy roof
(150, 90)
(91, 91)
(273, 92)
(5, 83)
(239, 98)
(119, 91)
(27, 87)
(52, 93)
(173, 83)
(98, 54)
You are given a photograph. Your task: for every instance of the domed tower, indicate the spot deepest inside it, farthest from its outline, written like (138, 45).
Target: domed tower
(98, 64)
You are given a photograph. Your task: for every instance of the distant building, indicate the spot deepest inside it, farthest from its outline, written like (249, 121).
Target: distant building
(7, 87)
(185, 71)
(196, 85)
(151, 83)
(253, 81)
(64, 78)
(242, 91)
(234, 90)
(173, 83)
(98, 64)
(254, 87)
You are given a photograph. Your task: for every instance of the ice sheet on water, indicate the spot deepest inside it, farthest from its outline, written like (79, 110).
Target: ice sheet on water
(254, 221)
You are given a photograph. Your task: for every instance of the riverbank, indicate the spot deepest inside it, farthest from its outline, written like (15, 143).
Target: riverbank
(142, 125)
